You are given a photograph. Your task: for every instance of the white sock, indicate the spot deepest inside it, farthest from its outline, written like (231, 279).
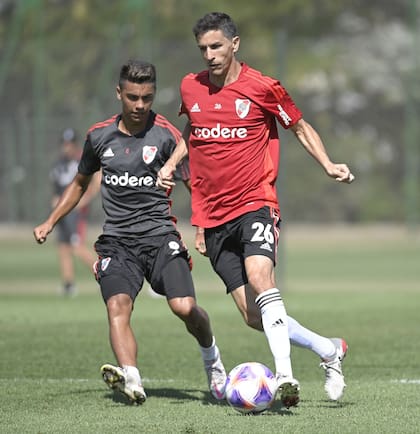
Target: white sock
(211, 352)
(132, 373)
(305, 338)
(274, 320)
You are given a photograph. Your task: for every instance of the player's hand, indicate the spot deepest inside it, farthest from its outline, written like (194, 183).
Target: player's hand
(41, 232)
(200, 243)
(340, 172)
(165, 177)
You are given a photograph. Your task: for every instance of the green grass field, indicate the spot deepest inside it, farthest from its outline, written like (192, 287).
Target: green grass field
(361, 284)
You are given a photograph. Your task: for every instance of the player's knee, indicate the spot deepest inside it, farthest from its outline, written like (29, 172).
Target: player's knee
(184, 307)
(119, 305)
(260, 273)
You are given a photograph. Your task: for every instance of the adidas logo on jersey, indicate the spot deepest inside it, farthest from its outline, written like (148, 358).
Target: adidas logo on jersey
(266, 246)
(108, 153)
(195, 108)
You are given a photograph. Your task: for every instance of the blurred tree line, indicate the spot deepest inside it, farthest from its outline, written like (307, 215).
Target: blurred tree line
(351, 66)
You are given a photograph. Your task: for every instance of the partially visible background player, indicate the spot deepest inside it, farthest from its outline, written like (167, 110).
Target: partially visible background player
(71, 230)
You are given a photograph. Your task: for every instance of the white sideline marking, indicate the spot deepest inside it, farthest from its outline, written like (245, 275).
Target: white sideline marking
(78, 380)
(158, 380)
(48, 380)
(406, 381)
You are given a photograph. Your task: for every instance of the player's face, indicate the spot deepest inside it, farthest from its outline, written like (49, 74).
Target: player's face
(69, 150)
(218, 51)
(137, 100)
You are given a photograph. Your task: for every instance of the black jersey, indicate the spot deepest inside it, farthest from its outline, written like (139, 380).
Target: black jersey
(132, 203)
(62, 174)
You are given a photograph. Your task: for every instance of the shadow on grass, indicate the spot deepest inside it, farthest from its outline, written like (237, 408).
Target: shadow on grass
(177, 395)
(277, 408)
(181, 394)
(325, 403)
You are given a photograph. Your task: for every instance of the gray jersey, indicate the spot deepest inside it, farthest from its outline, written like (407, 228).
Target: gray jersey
(62, 174)
(133, 205)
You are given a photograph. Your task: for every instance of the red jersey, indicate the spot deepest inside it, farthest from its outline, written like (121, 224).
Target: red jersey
(234, 148)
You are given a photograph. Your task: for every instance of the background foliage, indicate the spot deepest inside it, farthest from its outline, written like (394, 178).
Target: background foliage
(351, 66)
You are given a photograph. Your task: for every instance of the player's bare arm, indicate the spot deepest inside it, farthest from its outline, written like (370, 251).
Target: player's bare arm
(69, 199)
(200, 242)
(313, 144)
(92, 190)
(165, 174)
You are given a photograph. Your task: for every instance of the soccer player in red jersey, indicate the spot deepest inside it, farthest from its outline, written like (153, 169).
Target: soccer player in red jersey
(234, 149)
(140, 240)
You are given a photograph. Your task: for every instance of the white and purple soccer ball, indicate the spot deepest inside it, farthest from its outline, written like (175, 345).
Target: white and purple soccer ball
(251, 388)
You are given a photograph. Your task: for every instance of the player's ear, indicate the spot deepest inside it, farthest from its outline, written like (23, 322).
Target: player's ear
(235, 42)
(118, 92)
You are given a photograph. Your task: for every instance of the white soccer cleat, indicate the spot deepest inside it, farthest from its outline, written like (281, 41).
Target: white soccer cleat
(135, 393)
(334, 378)
(216, 376)
(115, 378)
(289, 390)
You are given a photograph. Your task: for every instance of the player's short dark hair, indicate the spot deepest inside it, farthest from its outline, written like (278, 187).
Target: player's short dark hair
(137, 71)
(216, 21)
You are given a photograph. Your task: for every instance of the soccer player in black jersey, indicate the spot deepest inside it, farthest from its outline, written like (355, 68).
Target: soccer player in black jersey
(140, 240)
(71, 230)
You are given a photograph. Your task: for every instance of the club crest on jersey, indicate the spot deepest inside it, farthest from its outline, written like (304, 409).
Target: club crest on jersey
(174, 246)
(149, 153)
(104, 263)
(242, 107)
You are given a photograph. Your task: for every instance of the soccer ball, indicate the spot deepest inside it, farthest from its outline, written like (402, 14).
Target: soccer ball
(251, 388)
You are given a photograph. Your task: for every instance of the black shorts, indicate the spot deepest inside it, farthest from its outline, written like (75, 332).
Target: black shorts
(253, 233)
(70, 228)
(124, 263)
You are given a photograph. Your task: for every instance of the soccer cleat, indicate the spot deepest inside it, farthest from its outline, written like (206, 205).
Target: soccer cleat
(69, 289)
(135, 393)
(216, 376)
(289, 391)
(115, 378)
(334, 378)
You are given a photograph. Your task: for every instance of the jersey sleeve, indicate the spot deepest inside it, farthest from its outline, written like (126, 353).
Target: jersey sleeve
(281, 105)
(172, 136)
(182, 90)
(182, 110)
(89, 162)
